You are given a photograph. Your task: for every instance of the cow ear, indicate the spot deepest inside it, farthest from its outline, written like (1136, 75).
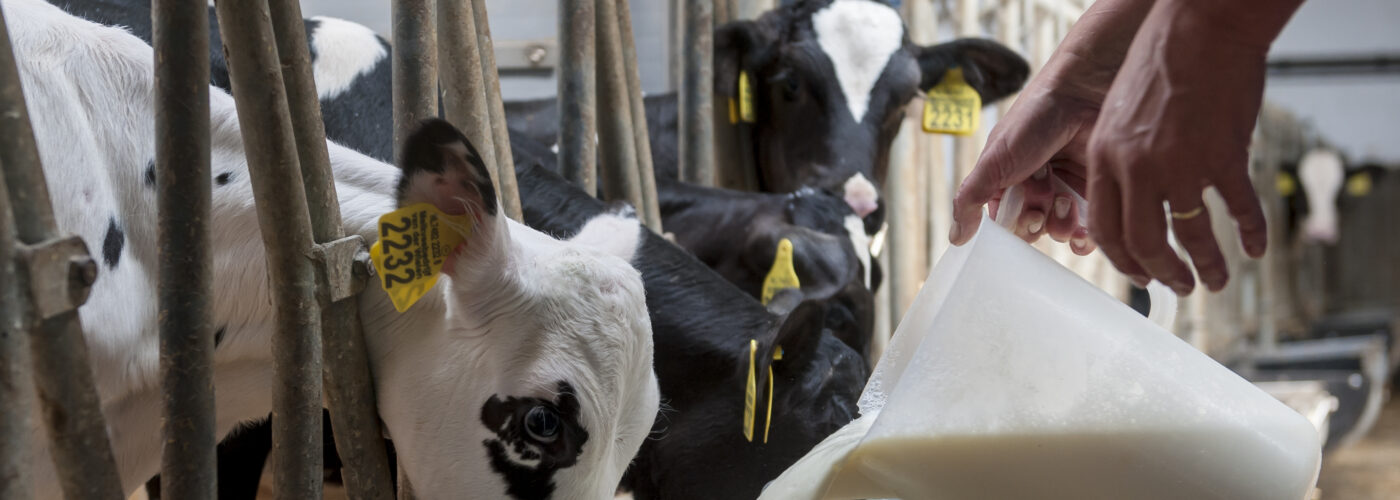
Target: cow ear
(616, 232)
(739, 46)
(824, 263)
(991, 68)
(798, 333)
(441, 167)
(1361, 180)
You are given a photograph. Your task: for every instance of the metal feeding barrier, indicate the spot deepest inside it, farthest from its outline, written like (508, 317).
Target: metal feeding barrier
(316, 271)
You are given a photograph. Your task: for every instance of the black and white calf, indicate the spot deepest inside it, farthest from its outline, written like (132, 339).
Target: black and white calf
(1316, 188)
(526, 373)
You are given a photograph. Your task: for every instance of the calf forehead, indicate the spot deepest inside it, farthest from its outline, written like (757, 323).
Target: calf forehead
(859, 36)
(1321, 173)
(342, 52)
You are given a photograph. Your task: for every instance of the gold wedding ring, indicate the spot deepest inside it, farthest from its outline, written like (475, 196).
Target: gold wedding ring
(1190, 214)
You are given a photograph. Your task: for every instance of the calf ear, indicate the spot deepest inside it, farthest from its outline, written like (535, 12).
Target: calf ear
(824, 263)
(616, 234)
(992, 69)
(441, 167)
(740, 45)
(798, 334)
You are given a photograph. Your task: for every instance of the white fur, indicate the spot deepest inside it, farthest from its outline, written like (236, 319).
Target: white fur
(1321, 173)
(855, 228)
(519, 312)
(860, 194)
(344, 51)
(859, 36)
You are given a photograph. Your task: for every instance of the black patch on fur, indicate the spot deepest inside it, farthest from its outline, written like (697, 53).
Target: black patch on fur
(507, 419)
(112, 244)
(421, 151)
(151, 174)
(219, 336)
(223, 178)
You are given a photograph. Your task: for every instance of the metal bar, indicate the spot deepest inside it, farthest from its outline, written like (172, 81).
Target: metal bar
(16, 387)
(68, 402)
(649, 210)
(414, 67)
(180, 37)
(577, 110)
(500, 135)
(256, 78)
(463, 91)
(723, 12)
(697, 131)
(348, 387)
(1337, 65)
(617, 151)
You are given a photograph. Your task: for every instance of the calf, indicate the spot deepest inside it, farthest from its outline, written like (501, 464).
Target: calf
(702, 327)
(526, 373)
(1313, 191)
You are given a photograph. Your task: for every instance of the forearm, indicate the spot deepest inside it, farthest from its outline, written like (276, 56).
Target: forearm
(1094, 49)
(1247, 24)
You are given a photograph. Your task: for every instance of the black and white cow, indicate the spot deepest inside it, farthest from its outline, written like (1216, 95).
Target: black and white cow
(1316, 188)
(526, 373)
(830, 80)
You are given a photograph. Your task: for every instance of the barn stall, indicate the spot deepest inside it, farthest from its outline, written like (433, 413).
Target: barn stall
(600, 72)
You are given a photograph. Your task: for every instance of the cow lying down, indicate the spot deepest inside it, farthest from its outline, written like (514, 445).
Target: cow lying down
(526, 373)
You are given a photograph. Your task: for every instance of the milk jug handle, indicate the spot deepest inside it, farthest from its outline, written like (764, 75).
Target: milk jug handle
(1162, 299)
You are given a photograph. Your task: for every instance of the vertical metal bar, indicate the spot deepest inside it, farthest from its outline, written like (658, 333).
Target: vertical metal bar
(463, 91)
(697, 131)
(641, 138)
(722, 12)
(256, 78)
(500, 135)
(63, 382)
(349, 389)
(616, 148)
(414, 67)
(577, 110)
(16, 387)
(180, 36)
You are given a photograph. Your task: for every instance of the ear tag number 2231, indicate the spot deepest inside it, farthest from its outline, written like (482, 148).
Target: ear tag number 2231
(953, 106)
(414, 243)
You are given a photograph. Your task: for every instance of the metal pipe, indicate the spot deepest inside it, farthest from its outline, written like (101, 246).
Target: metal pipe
(463, 91)
(349, 391)
(617, 151)
(509, 192)
(180, 37)
(16, 387)
(697, 131)
(577, 111)
(256, 78)
(68, 402)
(649, 210)
(414, 67)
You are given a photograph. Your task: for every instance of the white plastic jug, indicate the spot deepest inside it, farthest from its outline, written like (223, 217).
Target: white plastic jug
(1013, 378)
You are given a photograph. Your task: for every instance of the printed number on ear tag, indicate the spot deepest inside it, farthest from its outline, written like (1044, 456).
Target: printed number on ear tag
(746, 113)
(414, 242)
(953, 106)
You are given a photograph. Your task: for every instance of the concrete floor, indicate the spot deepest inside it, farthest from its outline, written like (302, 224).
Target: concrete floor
(1370, 468)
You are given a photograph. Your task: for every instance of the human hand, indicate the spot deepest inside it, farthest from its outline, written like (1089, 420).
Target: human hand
(1178, 119)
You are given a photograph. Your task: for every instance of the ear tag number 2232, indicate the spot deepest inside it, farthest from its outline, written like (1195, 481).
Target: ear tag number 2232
(414, 243)
(953, 106)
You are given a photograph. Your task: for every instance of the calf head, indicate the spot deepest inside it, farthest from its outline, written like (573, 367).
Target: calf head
(533, 379)
(1315, 190)
(830, 80)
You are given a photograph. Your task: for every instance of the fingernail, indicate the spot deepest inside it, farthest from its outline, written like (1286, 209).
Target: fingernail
(955, 232)
(1215, 281)
(1078, 243)
(1061, 207)
(1040, 173)
(1037, 223)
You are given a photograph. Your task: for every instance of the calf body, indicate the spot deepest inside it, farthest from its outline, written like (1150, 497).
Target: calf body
(530, 353)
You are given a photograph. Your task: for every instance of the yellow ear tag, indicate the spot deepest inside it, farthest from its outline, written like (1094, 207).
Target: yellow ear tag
(1359, 185)
(414, 242)
(750, 392)
(953, 106)
(1284, 184)
(733, 111)
(746, 113)
(781, 276)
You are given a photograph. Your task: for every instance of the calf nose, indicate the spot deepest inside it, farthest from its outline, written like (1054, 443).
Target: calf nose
(861, 195)
(1321, 233)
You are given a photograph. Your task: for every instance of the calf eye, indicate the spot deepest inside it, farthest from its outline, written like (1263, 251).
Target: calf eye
(542, 424)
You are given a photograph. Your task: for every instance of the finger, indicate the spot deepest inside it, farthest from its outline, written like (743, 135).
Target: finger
(1198, 239)
(1244, 207)
(1080, 242)
(1036, 196)
(1106, 226)
(1146, 241)
(1063, 219)
(1017, 146)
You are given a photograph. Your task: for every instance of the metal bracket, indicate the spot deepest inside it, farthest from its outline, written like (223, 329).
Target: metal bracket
(59, 273)
(342, 267)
